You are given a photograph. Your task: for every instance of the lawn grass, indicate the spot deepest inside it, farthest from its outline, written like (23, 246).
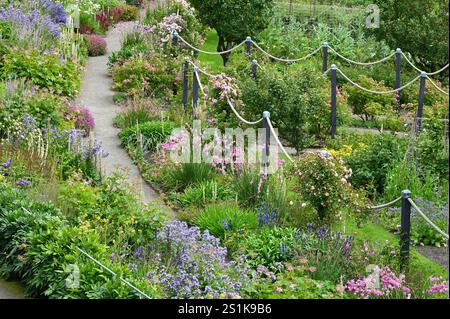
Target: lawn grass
(215, 62)
(373, 233)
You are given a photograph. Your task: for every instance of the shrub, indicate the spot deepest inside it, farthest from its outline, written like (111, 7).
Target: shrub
(45, 70)
(152, 75)
(26, 101)
(298, 101)
(371, 163)
(323, 182)
(129, 13)
(103, 20)
(220, 219)
(89, 24)
(96, 45)
(365, 104)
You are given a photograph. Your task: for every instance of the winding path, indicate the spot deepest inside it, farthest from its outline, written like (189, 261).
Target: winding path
(96, 94)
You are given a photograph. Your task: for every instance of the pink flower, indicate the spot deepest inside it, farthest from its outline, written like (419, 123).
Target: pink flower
(279, 289)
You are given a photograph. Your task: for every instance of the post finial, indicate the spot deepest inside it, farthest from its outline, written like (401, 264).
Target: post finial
(266, 114)
(406, 193)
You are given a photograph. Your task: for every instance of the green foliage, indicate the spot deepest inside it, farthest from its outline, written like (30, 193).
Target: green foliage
(203, 193)
(220, 219)
(151, 75)
(270, 246)
(23, 100)
(246, 186)
(323, 182)
(188, 174)
(44, 70)
(130, 13)
(371, 163)
(406, 175)
(365, 104)
(433, 148)
(234, 20)
(147, 135)
(298, 102)
(137, 111)
(416, 29)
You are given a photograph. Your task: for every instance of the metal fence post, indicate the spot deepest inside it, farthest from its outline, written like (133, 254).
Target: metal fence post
(398, 70)
(405, 236)
(175, 38)
(325, 57)
(266, 152)
(423, 78)
(185, 83)
(195, 87)
(254, 68)
(248, 45)
(333, 101)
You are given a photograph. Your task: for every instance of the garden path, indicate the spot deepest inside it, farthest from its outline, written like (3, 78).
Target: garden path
(11, 290)
(96, 94)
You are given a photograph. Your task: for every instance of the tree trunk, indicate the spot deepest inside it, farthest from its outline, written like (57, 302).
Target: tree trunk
(224, 46)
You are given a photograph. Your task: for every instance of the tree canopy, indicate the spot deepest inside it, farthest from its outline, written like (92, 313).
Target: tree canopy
(234, 20)
(418, 27)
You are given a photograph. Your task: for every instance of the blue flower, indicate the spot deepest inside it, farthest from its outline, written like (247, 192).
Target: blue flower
(6, 164)
(23, 182)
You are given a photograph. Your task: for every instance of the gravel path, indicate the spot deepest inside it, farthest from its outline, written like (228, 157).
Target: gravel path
(96, 94)
(437, 254)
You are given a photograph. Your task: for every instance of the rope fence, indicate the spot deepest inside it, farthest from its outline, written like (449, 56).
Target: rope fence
(324, 47)
(113, 273)
(405, 236)
(377, 92)
(418, 210)
(361, 63)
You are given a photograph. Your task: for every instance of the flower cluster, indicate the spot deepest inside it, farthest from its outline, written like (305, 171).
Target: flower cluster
(172, 23)
(192, 264)
(33, 27)
(382, 283)
(226, 87)
(439, 285)
(96, 45)
(54, 10)
(267, 216)
(81, 116)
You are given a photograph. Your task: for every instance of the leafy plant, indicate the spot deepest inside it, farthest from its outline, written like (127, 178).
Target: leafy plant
(220, 219)
(270, 246)
(188, 174)
(365, 104)
(147, 135)
(44, 70)
(203, 193)
(371, 163)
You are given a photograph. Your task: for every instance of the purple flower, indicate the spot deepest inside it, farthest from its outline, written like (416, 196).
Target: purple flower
(6, 164)
(23, 183)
